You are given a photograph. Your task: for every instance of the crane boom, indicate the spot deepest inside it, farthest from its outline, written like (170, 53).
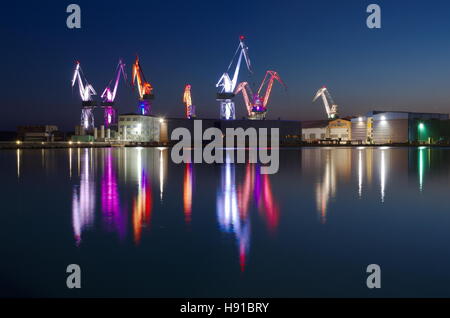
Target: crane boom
(228, 85)
(330, 107)
(144, 87)
(85, 89)
(244, 87)
(270, 77)
(86, 92)
(256, 103)
(109, 95)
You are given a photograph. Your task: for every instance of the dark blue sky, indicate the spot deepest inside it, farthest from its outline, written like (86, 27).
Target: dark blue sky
(403, 66)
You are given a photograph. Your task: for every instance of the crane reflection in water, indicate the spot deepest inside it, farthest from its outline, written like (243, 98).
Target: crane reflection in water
(113, 218)
(188, 188)
(143, 202)
(234, 201)
(83, 199)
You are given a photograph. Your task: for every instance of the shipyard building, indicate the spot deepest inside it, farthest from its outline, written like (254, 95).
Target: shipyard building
(389, 127)
(339, 130)
(151, 129)
(141, 128)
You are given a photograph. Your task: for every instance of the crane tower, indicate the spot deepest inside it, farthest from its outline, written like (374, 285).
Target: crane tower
(227, 84)
(109, 95)
(187, 100)
(257, 106)
(330, 107)
(86, 92)
(145, 89)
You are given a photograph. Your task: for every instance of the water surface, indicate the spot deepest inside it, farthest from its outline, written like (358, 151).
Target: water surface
(141, 226)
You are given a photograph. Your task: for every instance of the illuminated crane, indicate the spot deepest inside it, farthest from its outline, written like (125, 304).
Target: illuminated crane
(257, 108)
(247, 94)
(86, 92)
(228, 84)
(330, 107)
(187, 100)
(145, 89)
(109, 95)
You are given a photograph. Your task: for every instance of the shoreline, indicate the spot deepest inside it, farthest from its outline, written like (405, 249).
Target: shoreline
(13, 145)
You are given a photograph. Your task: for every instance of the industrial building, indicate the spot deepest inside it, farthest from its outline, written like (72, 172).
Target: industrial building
(336, 130)
(38, 133)
(391, 127)
(314, 131)
(142, 128)
(432, 131)
(148, 129)
(340, 129)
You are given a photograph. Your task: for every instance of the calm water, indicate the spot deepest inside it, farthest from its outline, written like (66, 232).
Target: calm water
(139, 225)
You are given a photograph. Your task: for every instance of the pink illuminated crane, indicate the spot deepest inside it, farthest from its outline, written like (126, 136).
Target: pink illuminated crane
(86, 92)
(145, 89)
(257, 106)
(109, 95)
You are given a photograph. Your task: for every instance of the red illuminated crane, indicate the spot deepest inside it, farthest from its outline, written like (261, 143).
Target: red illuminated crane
(257, 108)
(145, 89)
(247, 93)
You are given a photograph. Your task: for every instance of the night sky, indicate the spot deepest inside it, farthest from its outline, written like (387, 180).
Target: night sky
(403, 66)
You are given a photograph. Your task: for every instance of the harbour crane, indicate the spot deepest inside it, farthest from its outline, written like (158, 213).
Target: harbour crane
(247, 93)
(330, 107)
(109, 95)
(145, 89)
(227, 84)
(257, 108)
(86, 92)
(187, 100)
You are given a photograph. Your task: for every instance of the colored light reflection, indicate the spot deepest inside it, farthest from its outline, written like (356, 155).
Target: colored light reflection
(360, 172)
(335, 165)
(70, 163)
(234, 202)
(188, 182)
(383, 175)
(228, 213)
(83, 200)
(143, 202)
(18, 154)
(424, 160)
(162, 170)
(268, 207)
(112, 215)
(326, 188)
